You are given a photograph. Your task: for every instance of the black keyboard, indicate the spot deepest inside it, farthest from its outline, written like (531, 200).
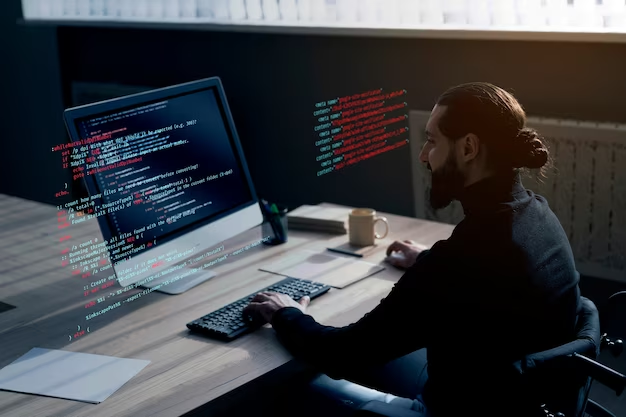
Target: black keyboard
(227, 323)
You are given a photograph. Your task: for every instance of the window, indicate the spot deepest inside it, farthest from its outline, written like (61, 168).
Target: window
(596, 16)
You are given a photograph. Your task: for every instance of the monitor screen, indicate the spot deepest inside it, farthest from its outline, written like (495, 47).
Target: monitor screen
(161, 167)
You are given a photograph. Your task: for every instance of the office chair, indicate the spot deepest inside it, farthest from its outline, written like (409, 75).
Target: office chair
(572, 366)
(612, 317)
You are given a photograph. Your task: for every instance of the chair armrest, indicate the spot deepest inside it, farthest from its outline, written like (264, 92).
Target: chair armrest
(596, 410)
(603, 374)
(379, 408)
(555, 358)
(587, 343)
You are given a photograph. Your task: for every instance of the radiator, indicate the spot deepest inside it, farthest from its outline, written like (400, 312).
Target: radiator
(586, 188)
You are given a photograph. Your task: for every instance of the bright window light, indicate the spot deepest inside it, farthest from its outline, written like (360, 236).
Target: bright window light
(603, 16)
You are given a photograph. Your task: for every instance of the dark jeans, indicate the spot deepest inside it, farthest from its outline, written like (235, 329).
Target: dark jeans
(399, 382)
(403, 377)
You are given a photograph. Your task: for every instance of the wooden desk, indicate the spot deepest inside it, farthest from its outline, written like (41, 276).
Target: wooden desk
(186, 370)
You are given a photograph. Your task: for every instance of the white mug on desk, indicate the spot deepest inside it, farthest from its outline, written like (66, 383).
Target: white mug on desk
(361, 227)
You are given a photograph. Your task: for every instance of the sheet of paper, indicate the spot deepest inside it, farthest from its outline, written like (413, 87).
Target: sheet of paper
(70, 375)
(335, 271)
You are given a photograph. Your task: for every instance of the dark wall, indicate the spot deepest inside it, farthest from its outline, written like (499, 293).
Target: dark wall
(32, 108)
(272, 82)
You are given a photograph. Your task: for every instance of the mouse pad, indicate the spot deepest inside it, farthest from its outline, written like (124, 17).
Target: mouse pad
(5, 307)
(336, 271)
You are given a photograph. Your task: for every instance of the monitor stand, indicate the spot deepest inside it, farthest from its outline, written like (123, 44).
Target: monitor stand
(181, 285)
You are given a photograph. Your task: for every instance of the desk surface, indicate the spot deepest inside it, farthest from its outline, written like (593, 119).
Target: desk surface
(186, 370)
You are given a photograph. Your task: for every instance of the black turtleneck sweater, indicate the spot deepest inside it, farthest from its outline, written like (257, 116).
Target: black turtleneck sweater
(503, 285)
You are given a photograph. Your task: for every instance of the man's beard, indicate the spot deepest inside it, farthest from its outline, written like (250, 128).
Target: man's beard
(447, 184)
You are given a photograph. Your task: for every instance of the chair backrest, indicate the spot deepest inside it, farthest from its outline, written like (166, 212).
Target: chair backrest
(549, 377)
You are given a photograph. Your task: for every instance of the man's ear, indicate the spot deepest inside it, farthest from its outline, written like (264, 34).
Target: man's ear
(470, 147)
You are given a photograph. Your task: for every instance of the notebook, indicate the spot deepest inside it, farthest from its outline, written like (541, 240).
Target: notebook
(319, 219)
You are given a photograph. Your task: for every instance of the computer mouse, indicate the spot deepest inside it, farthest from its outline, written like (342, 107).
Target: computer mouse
(396, 255)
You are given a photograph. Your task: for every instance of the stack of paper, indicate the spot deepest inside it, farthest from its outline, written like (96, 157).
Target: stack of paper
(319, 219)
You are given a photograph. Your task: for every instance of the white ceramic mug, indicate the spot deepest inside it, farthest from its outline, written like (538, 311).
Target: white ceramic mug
(361, 227)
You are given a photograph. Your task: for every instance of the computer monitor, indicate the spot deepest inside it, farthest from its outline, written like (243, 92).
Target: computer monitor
(167, 180)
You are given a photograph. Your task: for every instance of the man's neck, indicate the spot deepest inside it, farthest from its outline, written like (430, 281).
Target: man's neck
(474, 177)
(490, 190)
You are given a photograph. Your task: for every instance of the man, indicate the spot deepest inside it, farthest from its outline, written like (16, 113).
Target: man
(502, 286)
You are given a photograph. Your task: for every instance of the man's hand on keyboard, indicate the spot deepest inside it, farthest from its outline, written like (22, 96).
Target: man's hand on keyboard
(403, 254)
(266, 304)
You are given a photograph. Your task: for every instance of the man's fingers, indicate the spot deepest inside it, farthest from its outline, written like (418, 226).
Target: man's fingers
(267, 294)
(251, 308)
(254, 305)
(397, 247)
(262, 296)
(393, 248)
(256, 309)
(304, 301)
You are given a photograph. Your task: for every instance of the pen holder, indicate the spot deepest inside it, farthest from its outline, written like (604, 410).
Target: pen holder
(275, 227)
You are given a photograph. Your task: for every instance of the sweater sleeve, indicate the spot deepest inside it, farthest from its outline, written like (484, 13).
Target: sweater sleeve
(397, 326)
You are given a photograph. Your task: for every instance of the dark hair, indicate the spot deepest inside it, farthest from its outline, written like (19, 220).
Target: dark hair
(499, 121)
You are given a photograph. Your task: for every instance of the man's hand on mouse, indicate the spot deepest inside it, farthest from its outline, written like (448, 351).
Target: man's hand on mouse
(266, 304)
(402, 254)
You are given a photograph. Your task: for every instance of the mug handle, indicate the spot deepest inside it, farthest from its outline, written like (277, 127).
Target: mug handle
(384, 220)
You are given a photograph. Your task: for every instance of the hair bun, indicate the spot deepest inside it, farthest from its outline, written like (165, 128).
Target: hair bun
(529, 150)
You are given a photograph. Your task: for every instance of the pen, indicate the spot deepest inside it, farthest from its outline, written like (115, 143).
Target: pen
(345, 252)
